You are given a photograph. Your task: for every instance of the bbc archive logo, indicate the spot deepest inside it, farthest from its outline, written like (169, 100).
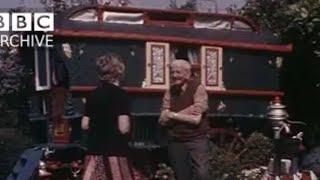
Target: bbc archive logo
(24, 29)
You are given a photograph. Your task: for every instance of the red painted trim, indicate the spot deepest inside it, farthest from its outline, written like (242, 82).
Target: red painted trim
(205, 68)
(100, 14)
(86, 89)
(167, 23)
(143, 37)
(190, 20)
(247, 92)
(218, 66)
(82, 88)
(132, 9)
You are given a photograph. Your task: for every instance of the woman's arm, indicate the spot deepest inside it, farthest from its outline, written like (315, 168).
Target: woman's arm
(85, 122)
(124, 124)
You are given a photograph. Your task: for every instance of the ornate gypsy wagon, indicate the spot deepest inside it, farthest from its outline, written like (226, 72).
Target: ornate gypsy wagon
(236, 62)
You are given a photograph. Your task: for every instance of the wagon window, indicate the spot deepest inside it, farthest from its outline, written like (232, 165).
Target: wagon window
(157, 65)
(214, 23)
(88, 15)
(123, 18)
(189, 53)
(240, 26)
(210, 23)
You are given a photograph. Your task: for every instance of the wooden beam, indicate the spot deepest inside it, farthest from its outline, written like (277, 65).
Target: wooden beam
(174, 39)
(139, 90)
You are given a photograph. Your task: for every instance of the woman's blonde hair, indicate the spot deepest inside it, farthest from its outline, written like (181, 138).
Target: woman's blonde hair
(110, 68)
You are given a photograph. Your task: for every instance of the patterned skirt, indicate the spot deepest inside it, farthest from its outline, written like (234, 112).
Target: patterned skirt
(99, 167)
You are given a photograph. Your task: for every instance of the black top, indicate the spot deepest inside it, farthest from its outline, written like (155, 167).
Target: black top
(103, 106)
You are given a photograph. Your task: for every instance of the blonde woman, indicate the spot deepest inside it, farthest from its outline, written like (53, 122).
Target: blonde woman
(107, 120)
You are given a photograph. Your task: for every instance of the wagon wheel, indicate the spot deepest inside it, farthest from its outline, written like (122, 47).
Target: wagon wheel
(229, 140)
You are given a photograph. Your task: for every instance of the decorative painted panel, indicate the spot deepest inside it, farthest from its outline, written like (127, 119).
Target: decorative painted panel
(157, 65)
(211, 67)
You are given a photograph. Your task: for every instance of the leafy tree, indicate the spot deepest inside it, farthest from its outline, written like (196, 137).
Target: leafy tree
(11, 74)
(296, 22)
(60, 5)
(12, 80)
(189, 5)
(57, 5)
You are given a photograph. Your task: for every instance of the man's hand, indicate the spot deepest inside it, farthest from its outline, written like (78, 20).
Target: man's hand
(195, 111)
(164, 117)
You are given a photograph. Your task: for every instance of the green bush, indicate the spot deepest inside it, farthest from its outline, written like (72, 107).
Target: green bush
(259, 149)
(12, 144)
(255, 152)
(223, 165)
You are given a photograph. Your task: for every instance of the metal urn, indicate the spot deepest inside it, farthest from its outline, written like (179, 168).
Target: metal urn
(278, 116)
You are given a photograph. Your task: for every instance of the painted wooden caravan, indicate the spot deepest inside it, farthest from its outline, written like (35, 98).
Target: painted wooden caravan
(237, 63)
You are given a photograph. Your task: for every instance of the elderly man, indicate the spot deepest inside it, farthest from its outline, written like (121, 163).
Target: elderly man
(184, 115)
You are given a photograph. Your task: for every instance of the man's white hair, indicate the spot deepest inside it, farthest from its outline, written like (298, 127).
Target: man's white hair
(181, 64)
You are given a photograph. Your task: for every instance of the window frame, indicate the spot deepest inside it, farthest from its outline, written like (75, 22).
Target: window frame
(216, 69)
(150, 82)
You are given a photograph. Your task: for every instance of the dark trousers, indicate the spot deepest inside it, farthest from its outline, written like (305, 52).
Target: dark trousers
(190, 159)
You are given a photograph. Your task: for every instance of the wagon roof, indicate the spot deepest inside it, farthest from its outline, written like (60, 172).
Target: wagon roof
(180, 29)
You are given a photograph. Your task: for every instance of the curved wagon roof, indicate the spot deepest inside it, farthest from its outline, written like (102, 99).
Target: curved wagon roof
(166, 25)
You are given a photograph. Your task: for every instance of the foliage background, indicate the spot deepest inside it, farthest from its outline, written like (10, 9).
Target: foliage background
(13, 130)
(257, 150)
(296, 22)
